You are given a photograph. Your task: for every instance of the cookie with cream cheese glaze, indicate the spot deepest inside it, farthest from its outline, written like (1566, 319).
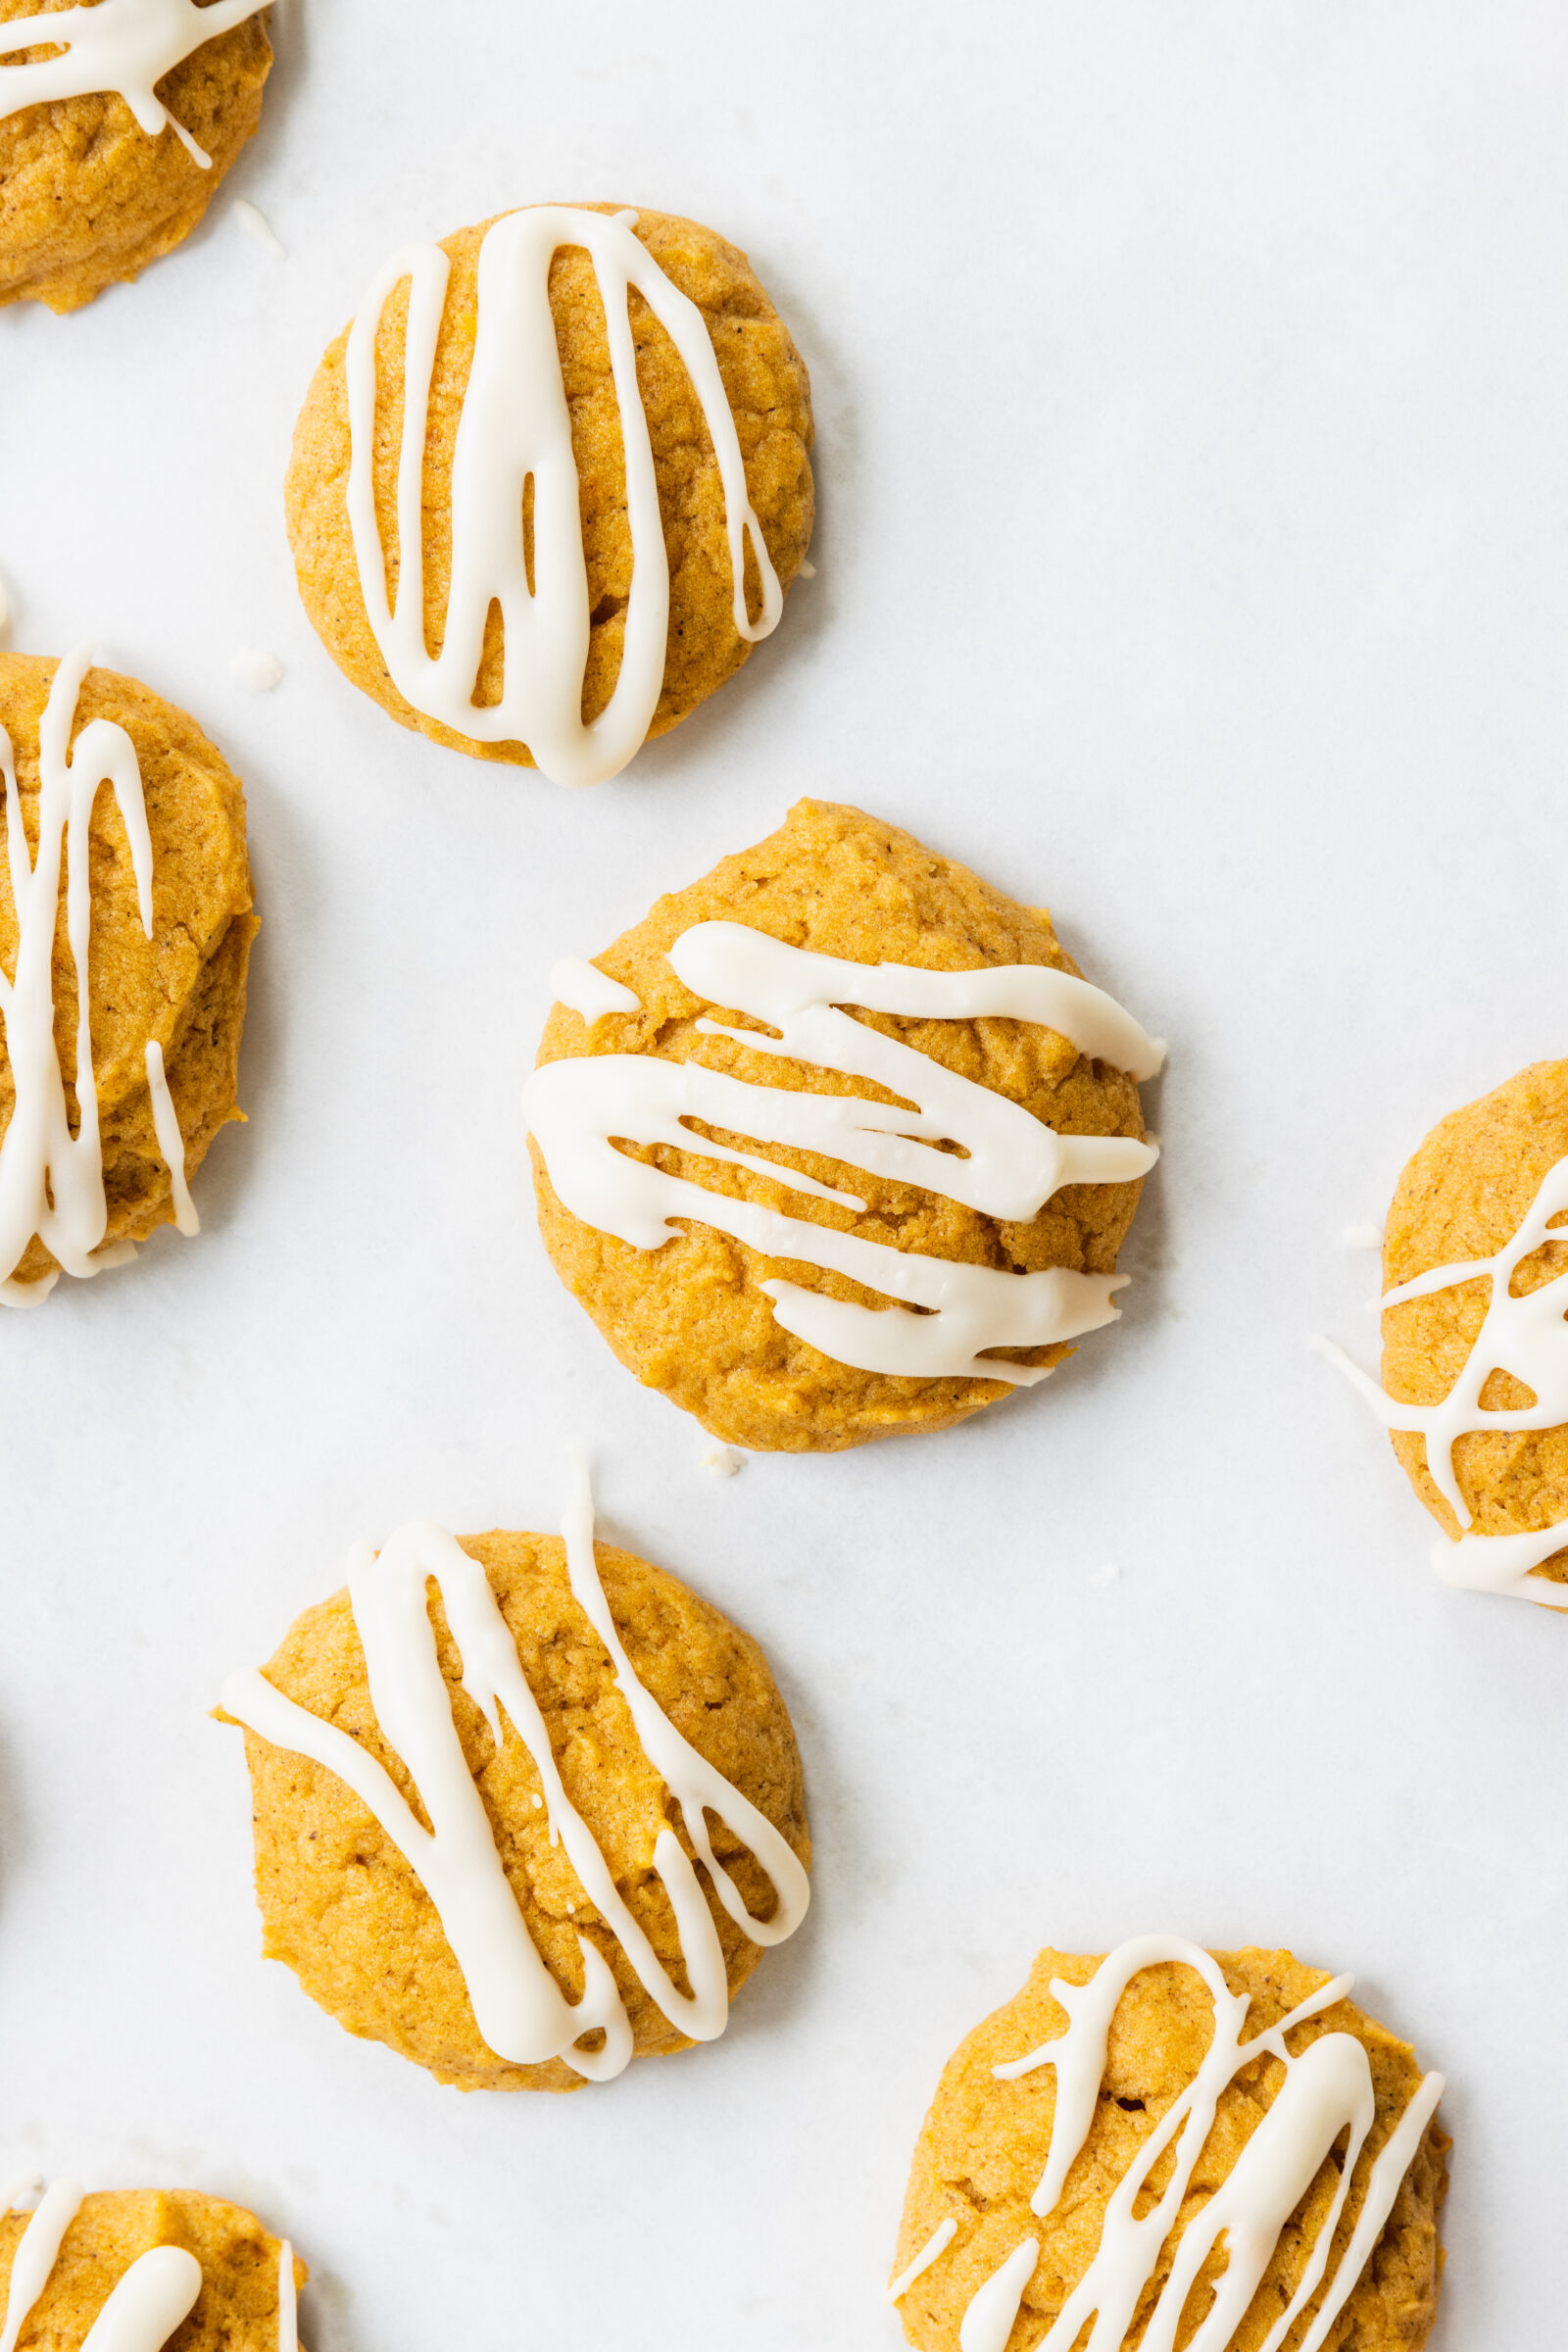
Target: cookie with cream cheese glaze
(161, 840)
(727, 1184)
(97, 171)
(611, 425)
(1287, 2141)
(1474, 1386)
(168, 2265)
(568, 1849)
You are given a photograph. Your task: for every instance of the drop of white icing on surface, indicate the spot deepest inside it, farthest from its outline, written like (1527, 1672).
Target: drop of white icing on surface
(1362, 1237)
(150, 2299)
(583, 988)
(807, 572)
(1527, 1337)
(1327, 2094)
(257, 226)
(51, 1181)
(516, 426)
(1011, 1163)
(259, 671)
(125, 46)
(520, 2012)
(723, 1461)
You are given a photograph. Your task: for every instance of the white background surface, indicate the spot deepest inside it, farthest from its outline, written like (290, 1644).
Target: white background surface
(1190, 389)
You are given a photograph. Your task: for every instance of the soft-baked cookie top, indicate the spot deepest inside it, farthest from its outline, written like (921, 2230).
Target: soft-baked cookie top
(144, 822)
(1205, 2149)
(930, 1133)
(166, 2259)
(477, 1817)
(112, 148)
(1475, 1345)
(576, 430)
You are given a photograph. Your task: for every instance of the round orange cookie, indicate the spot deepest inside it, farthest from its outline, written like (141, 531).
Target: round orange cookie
(691, 1317)
(764, 382)
(985, 2166)
(344, 1908)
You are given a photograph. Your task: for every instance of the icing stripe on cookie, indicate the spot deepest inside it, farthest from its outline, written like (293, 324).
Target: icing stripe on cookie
(125, 46)
(1527, 1337)
(578, 1108)
(51, 1181)
(521, 2011)
(516, 427)
(1327, 2094)
(146, 2304)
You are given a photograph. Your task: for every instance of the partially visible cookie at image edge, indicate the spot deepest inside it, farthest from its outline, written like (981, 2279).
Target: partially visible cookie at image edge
(118, 789)
(1474, 1388)
(159, 2262)
(112, 149)
(1287, 2140)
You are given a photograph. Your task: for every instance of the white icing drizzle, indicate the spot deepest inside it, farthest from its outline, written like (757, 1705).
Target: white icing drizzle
(144, 2306)
(170, 1143)
(940, 2239)
(126, 46)
(288, 2339)
(583, 988)
(1326, 2092)
(516, 426)
(257, 226)
(51, 1182)
(261, 672)
(579, 1107)
(1527, 1337)
(518, 2008)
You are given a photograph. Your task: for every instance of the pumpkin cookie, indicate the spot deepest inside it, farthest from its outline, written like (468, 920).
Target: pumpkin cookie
(602, 424)
(124, 839)
(837, 1143)
(1195, 2146)
(484, 1779)
(1475, 1345)
(113, 144)
(156, 2261)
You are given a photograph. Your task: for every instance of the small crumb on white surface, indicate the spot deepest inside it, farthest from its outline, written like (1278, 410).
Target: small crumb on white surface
(254, 222)
(807, 572)
(1362, 1237)
(1109, 1574)
(723, 1461)
(261, 672)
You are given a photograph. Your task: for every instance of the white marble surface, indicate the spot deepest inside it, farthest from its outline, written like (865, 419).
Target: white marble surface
(1194, 477)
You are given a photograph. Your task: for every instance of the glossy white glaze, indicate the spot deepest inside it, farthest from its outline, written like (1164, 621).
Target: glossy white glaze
(516, 428)
(521, 2011)
(1010, 1163)
(126, 46)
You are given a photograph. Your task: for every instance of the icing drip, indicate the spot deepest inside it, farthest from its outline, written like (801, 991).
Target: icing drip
(579, 1109)
(170, 1143)
(516, 427)
(126, 46)
(146, 2304)
(518, 2008)
(1327, 2092)
(583, 988)
(288, 2339)
(51, 1182)
(940, 2239)
(1527, 1337)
